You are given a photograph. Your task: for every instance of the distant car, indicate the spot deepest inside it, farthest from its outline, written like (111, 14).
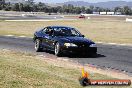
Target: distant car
(62, 39)
(81, 16)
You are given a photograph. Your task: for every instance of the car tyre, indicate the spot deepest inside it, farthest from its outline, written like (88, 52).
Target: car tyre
(38, 47)
(57, 49)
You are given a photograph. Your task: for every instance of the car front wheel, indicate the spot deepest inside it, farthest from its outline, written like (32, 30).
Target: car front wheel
(38, 47)
(57, 49)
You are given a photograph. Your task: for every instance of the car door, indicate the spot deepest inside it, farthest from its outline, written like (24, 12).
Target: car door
(48, 40)
(44, 37)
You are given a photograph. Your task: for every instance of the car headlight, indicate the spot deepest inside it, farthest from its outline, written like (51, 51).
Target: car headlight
(70, 44)
(93, 45)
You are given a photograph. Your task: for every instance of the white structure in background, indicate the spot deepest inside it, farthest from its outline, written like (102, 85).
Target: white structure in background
(118, 13)
(128, 20)
(83, 14)
(107, 13)
(110, 13)
(14, 1)
(97, 13)
(28, 15)
(103, 13)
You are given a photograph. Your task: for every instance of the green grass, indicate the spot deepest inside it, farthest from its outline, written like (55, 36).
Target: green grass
(24, 71)
(20, 70)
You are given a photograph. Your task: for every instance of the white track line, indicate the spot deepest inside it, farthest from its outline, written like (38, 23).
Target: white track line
(9, 35)
(114, 44)
(22, 36)
(63, 59)
(38, 20)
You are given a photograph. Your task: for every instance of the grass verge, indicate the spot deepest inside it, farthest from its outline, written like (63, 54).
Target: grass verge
(20, 70)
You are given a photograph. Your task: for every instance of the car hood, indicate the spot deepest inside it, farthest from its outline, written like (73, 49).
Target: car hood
(76, 40)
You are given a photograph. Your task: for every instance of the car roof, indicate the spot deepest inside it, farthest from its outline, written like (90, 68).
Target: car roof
(60, 27)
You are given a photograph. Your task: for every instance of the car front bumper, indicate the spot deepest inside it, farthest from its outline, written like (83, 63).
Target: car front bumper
(88, 50)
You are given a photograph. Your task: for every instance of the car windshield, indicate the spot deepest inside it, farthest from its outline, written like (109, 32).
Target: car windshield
(64, 31)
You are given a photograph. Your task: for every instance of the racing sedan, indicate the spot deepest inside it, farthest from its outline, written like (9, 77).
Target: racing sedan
(60, 39)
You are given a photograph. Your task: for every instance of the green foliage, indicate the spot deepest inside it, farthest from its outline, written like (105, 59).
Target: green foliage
(15, 7)
(30, 6)
(127, 10)
(124, 10)
(89, 11)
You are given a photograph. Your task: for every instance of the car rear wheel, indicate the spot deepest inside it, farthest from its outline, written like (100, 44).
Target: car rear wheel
(57, 49)
(38, 47)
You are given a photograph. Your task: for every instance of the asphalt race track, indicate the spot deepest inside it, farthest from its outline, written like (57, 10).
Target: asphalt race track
(109, 56)
(30, 17)
(48, 17)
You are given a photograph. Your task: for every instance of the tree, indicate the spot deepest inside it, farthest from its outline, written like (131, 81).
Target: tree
(91, 7)
(107, 10)
(35, 8)
(78, 10)
(21, 8)
(97, 9)
(55, 9)
(27, 8)
(1, 6)
(89, 11)
(83, 9)
(65, 9)
(15, 7)
(127, 10)
(117, 9)
(70, 8)
(31, 2)
(59, 8)
(42, 7)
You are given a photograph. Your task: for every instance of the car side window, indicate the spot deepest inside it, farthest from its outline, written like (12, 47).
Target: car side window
(73, 32)
(44, 30)
(49, 31)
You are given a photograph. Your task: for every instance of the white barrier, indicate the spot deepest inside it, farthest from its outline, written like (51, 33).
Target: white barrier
(28, 15)
(110, 13)
(128, 20)
(103, 13)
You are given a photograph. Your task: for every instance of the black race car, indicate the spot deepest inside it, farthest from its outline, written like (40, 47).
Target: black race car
(62, 39)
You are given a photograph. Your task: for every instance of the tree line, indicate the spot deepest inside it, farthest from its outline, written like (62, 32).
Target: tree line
(30, 6)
